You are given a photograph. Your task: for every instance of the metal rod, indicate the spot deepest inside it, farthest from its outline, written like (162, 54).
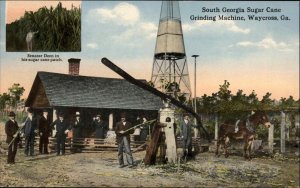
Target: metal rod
(195, 85)
(145, 123)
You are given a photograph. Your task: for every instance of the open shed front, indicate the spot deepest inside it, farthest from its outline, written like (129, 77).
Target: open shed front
(90, 96)
(110, 116)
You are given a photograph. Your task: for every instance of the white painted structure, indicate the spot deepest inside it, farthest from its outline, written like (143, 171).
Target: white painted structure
(167, 116)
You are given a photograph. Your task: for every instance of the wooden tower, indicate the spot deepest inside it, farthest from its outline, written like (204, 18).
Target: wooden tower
(170, 70)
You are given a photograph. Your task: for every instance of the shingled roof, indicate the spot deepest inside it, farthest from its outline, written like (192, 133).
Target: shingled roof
(63, 90)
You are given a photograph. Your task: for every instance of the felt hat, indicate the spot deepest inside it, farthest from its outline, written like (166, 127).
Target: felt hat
(77, 114)
(123, 115)
(11, 114)
(45, 110)
(30, 110)
(61, 114)
(186, 114)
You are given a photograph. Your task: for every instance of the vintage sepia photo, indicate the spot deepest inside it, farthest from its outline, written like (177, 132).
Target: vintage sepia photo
(149, 94)
(51, 26)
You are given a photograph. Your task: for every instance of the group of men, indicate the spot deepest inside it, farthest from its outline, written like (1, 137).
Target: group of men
(44, 127)
(124, 129)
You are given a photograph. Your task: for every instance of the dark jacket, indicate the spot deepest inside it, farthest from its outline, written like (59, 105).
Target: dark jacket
(77, 128)
(101, 128)
(186, 129)
(10, 129)
(30, 126)
(121, 127)
(61, 127)
(44, 126)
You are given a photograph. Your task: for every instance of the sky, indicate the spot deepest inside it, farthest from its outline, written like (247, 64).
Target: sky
(251, 55)
(16, 9)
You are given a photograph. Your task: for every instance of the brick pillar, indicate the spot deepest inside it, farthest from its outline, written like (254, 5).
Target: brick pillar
(74, 66)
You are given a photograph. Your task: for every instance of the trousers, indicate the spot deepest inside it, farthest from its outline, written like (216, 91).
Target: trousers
(124, 146)
(187, 145)
(61, 139)
(12, 151)
(29, 145)
(44, 140)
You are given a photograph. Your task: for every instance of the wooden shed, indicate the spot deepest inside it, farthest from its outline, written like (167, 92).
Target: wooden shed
(91, 95)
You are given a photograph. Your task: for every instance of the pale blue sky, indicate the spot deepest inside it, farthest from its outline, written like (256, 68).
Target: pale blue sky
(261, 56)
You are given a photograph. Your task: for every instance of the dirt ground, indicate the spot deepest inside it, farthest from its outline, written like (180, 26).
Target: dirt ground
(101, 169)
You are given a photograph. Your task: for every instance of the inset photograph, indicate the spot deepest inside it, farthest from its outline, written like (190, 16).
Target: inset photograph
(43, 26)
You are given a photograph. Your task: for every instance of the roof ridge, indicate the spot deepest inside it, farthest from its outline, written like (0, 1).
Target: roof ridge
(63, 74)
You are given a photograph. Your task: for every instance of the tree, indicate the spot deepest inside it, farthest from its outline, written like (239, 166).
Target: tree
(267, 103)
(16, 91)
(253, 101)
(288, 103)
(4, 100)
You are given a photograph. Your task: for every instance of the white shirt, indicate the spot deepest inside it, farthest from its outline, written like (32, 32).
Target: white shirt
(186, 121)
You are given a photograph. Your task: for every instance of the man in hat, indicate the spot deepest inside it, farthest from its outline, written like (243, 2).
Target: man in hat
(77, 126)
(123, 140)
(44, 132)
(62, 128)
(11, 130)
(30, 127)
(186, 134)
(100, 126)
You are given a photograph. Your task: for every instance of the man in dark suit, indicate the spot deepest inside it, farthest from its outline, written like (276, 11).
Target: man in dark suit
(11, 130)
(123, 140)
(100, 126)
(186, 134)
(30, 128)
(62, 128)
(44, 132)
(77, 126)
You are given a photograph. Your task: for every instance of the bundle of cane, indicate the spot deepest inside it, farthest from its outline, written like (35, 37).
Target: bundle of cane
(147, 123)
(19, 131)
(16, 135)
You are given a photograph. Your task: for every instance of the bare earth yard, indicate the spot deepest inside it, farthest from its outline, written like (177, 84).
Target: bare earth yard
(101, 169)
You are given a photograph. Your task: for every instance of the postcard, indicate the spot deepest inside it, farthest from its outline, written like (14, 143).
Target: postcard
(149, 93)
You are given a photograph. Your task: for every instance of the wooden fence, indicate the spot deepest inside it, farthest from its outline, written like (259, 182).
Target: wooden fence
(283, 144)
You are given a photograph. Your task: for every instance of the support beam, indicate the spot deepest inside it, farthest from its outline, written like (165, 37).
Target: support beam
(151, 151)
(282, 133)
(297, 126)
(271, 139)
(54, 116)
(216, 127)
(111, 121)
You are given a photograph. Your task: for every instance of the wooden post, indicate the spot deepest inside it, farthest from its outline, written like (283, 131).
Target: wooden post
(216, 127)
(110, 121)
(196, 131)
(282, 133)
(150, 157)
(271, 139)
(54, 117)
(297, 126)
(287, 127)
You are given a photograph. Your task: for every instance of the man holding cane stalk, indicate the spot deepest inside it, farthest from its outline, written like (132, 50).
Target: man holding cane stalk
(123, 140)
(12, 131)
